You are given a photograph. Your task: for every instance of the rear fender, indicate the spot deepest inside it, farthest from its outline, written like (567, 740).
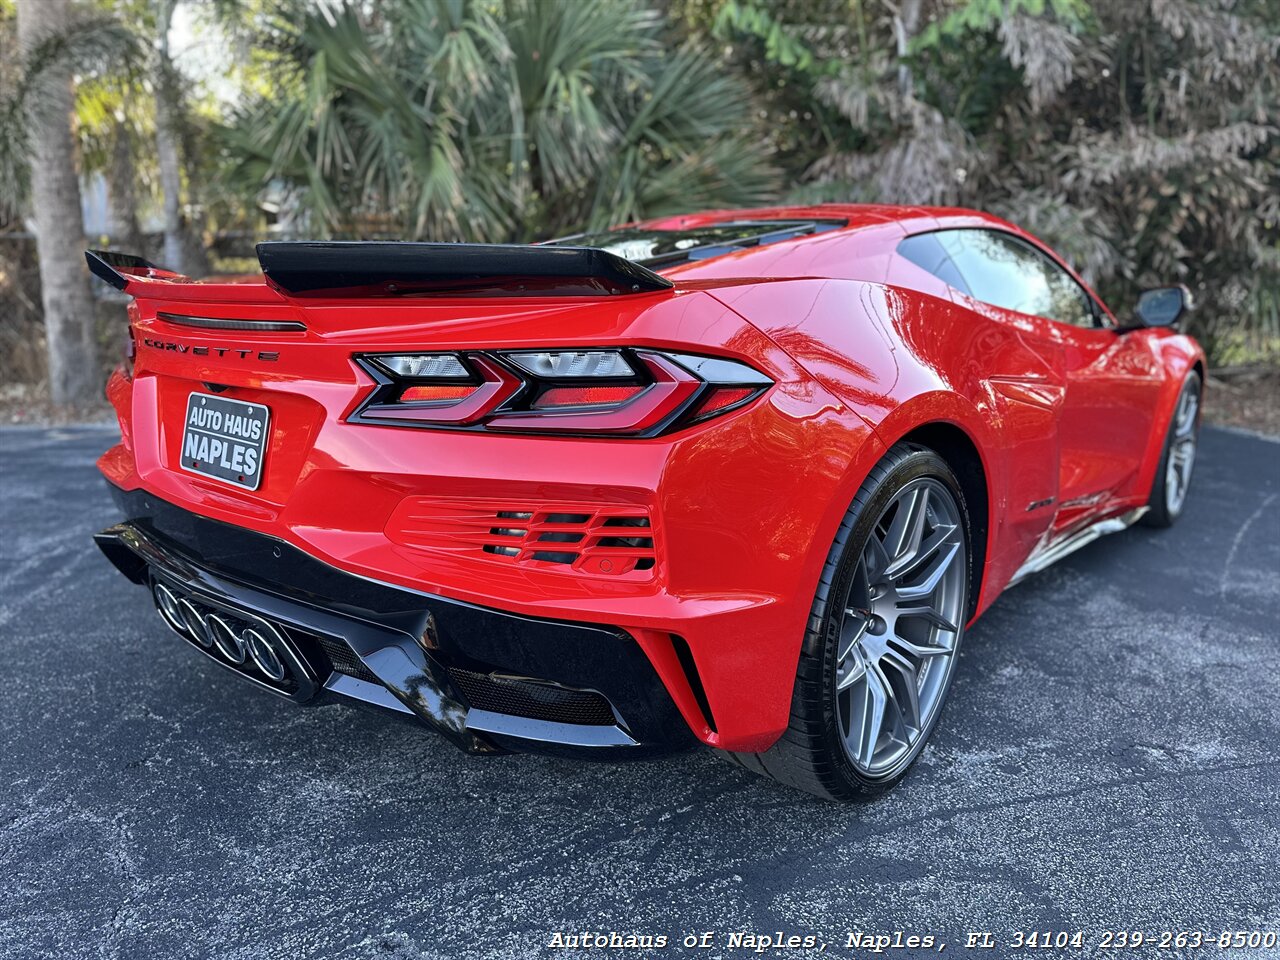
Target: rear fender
(1178, 355)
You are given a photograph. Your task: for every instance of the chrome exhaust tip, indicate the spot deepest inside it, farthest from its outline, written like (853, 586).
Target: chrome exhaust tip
(167, 603)
(264, 655)
(244, 641)
(229, 643)
(193, 619)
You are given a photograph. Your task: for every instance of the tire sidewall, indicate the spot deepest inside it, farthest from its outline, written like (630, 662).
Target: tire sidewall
(919, 463)
(1158, 502)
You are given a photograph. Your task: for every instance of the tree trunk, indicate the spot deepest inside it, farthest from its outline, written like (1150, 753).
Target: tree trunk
(55, 197)
(174, 256)
(906, 24)
(197, 255)
(126, 235)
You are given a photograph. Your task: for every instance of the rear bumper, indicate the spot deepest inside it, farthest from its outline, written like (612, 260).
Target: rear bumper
(486, 680)
(704, 547)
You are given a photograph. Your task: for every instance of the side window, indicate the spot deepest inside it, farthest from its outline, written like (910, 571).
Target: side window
(1007, 272)
(926, 252)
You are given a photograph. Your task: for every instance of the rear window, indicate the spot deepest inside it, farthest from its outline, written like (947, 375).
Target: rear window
(659, 247)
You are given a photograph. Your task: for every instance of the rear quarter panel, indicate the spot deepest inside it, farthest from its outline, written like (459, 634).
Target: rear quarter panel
(1177, 354)
(902, 359)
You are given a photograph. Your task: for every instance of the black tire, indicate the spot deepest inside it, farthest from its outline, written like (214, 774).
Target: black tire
(811, 755)
(1163, 510)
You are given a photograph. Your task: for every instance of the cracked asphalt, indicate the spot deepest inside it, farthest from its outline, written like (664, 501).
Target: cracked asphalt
(1109, 759)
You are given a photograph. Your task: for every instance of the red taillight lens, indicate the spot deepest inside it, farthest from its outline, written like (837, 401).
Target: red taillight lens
(720, 399)
(401, 400)
(586, 396)
(669, 389)
(438, 393)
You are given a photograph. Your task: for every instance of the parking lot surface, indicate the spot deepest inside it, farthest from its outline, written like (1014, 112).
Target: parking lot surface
(1109, 759)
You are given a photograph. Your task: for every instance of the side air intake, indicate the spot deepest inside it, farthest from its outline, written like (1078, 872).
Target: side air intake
(605, 540)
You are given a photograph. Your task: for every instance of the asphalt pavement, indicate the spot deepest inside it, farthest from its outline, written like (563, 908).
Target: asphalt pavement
(1109, 760)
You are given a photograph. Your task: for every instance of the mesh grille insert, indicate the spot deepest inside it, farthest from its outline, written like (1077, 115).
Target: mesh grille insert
(343, 659)
(532, 700)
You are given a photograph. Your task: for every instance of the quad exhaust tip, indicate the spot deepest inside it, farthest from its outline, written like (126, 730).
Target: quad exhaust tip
(263, 653)
(247, 647)
(227, 639)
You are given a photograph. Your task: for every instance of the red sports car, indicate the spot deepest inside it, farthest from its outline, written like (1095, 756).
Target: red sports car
(741, 477)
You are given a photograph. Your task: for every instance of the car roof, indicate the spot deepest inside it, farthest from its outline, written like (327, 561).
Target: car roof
(880, 225)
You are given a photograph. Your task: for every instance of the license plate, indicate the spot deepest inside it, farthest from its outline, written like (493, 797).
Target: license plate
(225, 439)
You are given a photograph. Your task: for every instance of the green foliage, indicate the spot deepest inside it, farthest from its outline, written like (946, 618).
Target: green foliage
(492, 120)
(1138, 137)
(976, 16)
(782, 46)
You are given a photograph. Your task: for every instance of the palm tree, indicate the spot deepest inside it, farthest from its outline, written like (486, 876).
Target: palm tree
(496, 120)
(55, 199)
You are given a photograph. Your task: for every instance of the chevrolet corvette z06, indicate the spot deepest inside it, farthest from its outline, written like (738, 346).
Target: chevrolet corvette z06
(740, 477)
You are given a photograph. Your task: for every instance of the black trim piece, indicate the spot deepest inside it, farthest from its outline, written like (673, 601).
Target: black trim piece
(391, 652)
(400, 269)
(407, 639)
(102, 264)
(532, 699)
(221, 323)
(685, 656)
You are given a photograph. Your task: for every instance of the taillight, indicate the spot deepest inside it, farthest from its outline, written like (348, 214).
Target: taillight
(437, 393)
(570, 364)
(429, 366)
(721, 400)
(585, 396)
(632, 392)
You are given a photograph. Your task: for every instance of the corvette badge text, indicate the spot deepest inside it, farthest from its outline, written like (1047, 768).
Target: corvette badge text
(204, 350)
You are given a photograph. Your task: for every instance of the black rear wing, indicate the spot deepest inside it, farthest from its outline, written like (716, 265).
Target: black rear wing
(121, 269)
(400, 269)
(403, 269)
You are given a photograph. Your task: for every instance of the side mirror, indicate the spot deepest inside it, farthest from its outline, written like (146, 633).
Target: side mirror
(1163, 306)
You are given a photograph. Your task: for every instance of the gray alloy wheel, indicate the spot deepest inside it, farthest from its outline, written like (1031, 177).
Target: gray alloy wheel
(902, 618)
(884, 632)
(1182, 451)
(1178, 460)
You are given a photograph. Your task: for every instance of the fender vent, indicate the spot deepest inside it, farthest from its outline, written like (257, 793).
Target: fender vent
(589, 539)
(532, 699)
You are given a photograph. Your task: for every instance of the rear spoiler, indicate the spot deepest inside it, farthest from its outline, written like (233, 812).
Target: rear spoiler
(118, 269)
(400, 269)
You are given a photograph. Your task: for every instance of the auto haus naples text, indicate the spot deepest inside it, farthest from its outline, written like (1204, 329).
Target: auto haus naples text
(747, 941)
(224, 449)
